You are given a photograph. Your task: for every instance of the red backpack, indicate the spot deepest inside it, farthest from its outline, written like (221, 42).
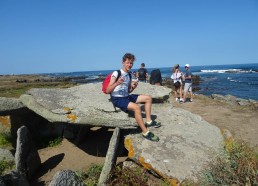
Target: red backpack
(107, 80)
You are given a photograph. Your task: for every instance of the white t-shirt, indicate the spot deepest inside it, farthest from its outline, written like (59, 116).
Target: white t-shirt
(122, 89)
(176, 77)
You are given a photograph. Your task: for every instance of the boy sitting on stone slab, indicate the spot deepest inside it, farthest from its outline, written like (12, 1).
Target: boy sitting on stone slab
(121, 98)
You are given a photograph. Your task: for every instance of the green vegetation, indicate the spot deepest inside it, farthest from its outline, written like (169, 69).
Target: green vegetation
(120, 176)
(134, 177)
(92, 176)
(6, 166)
(238, 167)
(5, 139)
(17, 90)
(55, 142)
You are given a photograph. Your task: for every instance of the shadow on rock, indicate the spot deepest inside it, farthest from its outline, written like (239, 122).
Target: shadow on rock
(101, 137)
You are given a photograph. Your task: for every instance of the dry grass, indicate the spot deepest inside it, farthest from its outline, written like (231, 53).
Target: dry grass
(134, 176)
(239, 167)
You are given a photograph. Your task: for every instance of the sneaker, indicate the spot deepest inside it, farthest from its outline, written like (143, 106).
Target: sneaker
(151, 136)
(177, 100)
(191, 100)
(181, 100)
(153, 124)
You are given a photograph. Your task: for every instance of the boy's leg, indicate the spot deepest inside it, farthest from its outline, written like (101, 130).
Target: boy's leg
(147, 100)
(148, 103)
(138, 115)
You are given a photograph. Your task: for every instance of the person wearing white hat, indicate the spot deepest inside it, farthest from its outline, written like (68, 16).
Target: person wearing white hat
(188, 83)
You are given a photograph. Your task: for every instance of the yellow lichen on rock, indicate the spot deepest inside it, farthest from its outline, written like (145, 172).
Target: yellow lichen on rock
(129, 147)
(72, 117)
(172, 181)
(5, 120)
(67, 109)
(228, 138)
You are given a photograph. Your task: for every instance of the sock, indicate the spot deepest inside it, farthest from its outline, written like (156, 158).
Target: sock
(145, 134)
(149, 122)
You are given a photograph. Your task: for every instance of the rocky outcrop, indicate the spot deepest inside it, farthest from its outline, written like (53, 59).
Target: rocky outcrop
(235, 101)
(187, 143)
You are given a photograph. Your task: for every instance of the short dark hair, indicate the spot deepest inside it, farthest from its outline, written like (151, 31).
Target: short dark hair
(143, 65)
(128, 56)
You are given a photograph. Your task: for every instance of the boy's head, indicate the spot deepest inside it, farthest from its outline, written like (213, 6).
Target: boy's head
(128, 56)
(128, 60)
(143, 65)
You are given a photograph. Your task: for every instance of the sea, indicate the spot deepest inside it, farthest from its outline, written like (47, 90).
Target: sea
(240, 80)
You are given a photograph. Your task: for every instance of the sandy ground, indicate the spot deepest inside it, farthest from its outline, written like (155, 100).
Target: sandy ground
(239, 120)
(77, 158)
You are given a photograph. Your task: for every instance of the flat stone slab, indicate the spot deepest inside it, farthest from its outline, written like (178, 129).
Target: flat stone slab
(10, 106)
(186, 143)
(85, 104)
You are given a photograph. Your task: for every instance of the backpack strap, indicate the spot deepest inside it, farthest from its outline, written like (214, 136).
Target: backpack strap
(119, 74)
(130, 75)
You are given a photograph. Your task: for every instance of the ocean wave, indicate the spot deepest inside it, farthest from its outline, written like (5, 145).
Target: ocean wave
(92, 77)
(229, 71)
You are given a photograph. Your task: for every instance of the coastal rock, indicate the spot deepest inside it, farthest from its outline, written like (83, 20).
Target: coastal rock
(234, 100)
(10, 106)
(187, 143)
(85, 104)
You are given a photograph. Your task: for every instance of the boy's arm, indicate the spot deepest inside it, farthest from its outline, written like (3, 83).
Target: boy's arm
(113, 83)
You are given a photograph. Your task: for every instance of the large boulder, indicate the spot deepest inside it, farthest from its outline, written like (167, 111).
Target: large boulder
(85, 104)
(187, 143)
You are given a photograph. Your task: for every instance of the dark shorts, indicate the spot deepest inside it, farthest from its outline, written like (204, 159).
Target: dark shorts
(122, 102)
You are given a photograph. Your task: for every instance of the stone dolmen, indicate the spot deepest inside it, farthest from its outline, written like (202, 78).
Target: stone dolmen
(187, 142)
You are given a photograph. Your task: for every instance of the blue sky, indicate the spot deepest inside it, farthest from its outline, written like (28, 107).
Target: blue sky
(45, 36)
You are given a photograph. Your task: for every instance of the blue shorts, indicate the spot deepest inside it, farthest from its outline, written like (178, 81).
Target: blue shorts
(123, 102)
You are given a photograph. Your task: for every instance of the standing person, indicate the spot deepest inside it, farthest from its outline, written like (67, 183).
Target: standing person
(121, 98)
(177, 82)
(142, 73)
(188, 82)
(155, 77)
